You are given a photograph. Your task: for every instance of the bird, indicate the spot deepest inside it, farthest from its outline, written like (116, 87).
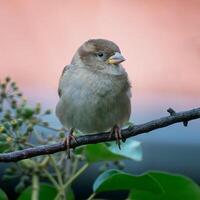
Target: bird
(94, 91)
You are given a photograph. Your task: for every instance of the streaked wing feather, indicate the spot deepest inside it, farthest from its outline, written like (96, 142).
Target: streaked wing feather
(63, 72)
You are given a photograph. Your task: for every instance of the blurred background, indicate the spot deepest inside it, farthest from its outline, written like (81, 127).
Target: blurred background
(159, 39)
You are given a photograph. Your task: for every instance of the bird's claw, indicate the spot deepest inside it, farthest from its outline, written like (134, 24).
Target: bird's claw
(118, 136)
(67, 142)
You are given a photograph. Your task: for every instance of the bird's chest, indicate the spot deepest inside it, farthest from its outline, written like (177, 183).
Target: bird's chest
(93, 103)
(96, 89)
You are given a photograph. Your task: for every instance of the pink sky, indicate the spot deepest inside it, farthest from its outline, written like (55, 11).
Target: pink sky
(160, 40)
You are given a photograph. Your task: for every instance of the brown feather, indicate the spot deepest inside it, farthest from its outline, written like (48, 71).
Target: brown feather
(59, 88)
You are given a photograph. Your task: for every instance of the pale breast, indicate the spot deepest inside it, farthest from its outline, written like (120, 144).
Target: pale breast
(93, 102)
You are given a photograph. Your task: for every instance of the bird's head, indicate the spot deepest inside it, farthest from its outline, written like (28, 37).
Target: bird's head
(99, 54)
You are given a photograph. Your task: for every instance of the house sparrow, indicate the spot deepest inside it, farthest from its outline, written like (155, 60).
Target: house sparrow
(94, 90)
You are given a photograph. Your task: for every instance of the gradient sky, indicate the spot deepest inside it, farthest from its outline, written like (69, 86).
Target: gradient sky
(160, 40)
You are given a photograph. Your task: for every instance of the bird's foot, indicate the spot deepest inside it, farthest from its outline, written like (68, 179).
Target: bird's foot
(67, 141)
(118, 136)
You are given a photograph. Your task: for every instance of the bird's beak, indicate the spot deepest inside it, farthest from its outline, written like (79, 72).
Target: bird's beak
(116, 58)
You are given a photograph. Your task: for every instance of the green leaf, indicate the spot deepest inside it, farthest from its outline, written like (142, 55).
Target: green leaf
(143, 195)
(25, 112)
(3, 195)
(175, 186)
(4, 146)
(117, 180)
(45, 191)
(70, 194)
(148, 186)
(131, 149)
(100, 152)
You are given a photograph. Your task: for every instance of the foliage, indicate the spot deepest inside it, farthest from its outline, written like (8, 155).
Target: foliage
(23, 126)
(152, 185)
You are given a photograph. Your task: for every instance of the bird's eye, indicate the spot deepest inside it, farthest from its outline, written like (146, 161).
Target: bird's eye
(100, 54)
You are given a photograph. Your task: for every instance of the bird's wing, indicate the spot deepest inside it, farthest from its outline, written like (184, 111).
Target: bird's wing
(67, 67)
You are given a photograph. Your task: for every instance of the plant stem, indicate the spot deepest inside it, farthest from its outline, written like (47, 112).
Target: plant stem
(58, 174)
(44, 163)
(29, 144)
(61, 189)
(75, 165)
(91, 196)
(39, 138)
(35, 187)
(49, 127)
(61, 194)
(81, 170)
(52, 179)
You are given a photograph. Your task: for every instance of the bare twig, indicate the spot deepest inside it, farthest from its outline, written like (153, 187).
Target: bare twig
(103, 137)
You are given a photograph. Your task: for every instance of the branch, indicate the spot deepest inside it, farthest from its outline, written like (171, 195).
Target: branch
(174, 117)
